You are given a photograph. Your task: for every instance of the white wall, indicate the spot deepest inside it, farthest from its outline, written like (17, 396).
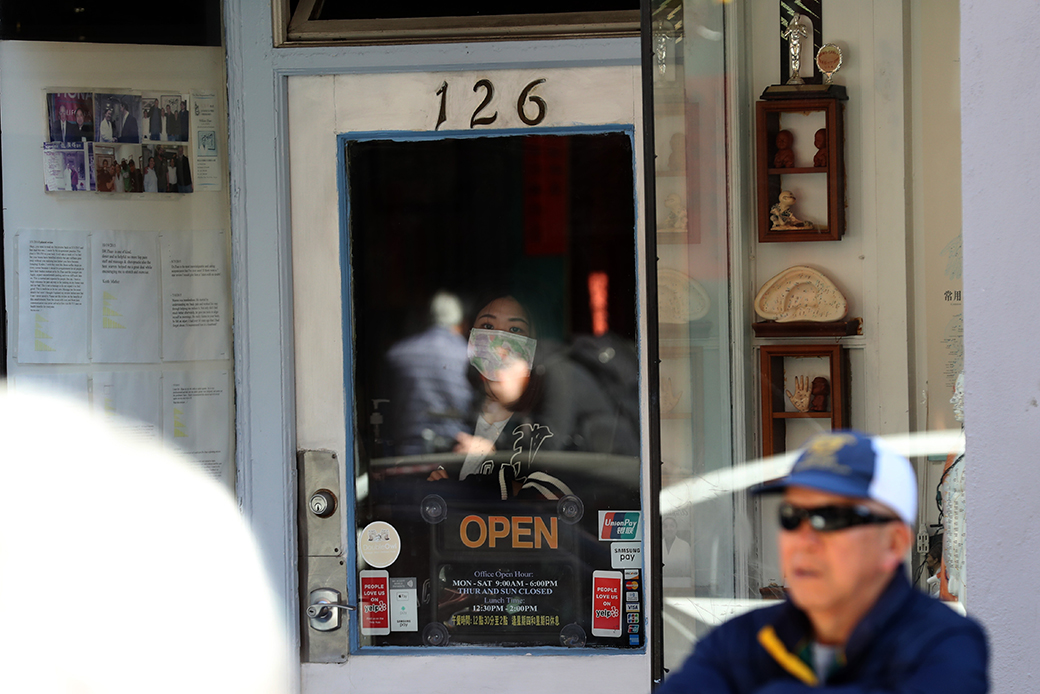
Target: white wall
(30, 69)
(936, 136)
(1000, 100)
(869, 265)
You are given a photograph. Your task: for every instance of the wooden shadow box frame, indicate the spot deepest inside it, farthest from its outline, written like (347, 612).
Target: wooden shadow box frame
(767, 119)
(774, 414)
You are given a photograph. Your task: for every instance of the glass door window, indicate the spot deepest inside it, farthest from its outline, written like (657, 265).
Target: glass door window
(494, 380)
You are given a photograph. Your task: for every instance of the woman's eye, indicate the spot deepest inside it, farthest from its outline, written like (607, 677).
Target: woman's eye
(486, 326)
(516, 329)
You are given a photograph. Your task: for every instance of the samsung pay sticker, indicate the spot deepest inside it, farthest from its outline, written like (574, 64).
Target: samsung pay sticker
(404, 609)
(626, 555)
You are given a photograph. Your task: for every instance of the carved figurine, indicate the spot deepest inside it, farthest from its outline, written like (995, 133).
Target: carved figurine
(800, 397)
(782, 218)
(795, 32)
(820, 390)
(784, 158)
(820, 159)
(676, 220)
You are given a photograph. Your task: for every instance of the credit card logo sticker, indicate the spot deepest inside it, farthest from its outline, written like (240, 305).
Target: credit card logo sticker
(619, 525)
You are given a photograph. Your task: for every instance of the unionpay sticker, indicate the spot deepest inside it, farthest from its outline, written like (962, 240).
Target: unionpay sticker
(374, 604)
(606, 603)
(619, 525)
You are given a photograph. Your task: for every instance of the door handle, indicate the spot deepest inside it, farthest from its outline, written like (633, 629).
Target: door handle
(323, 612)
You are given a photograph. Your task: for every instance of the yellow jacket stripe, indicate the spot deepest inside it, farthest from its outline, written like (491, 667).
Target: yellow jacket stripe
(787, 660)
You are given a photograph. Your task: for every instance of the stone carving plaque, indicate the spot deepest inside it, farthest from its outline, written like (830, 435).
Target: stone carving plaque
(800, 293)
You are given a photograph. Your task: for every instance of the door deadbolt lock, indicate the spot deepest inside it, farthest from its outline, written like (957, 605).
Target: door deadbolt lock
(322, 503)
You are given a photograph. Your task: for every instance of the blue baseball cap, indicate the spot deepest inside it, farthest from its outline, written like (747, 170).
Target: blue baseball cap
(852, 464)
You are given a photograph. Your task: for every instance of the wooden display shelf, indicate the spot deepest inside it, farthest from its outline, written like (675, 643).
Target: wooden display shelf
(774, 405)
(798, 170)
(808, 328)
(767, 118)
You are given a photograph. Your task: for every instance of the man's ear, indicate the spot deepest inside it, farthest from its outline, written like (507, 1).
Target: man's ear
(899, 539)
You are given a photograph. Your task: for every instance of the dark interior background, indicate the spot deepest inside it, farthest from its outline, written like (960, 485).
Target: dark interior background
(346, 9)
(532, 215)
(180, 23)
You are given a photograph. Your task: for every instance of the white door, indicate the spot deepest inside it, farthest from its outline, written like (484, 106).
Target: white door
(341, 396)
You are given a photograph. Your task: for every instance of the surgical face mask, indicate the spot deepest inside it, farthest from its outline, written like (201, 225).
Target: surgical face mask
(491, 351)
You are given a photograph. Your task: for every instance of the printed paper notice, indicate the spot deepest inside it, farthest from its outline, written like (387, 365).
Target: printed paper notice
(197, 417)
(53, 307)
(196, 304)
(130, 401)
(73, 386)
(125, 321)
(208, 171)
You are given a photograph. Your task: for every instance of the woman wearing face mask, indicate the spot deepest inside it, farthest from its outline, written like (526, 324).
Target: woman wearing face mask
(501, 349)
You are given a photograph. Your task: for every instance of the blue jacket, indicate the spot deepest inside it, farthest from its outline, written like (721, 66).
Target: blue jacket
(907, 643)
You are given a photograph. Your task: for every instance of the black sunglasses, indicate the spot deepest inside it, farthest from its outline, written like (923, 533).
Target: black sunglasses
(827, 519)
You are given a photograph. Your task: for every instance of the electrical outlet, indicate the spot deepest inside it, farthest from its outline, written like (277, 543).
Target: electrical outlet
(922, 542)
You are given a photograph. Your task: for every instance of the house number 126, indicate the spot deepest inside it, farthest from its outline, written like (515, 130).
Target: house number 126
(522, 104)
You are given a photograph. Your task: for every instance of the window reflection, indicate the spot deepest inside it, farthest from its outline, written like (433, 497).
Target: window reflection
(495, 383)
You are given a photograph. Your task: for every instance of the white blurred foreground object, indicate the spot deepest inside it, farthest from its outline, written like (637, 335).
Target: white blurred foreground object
(123, 569)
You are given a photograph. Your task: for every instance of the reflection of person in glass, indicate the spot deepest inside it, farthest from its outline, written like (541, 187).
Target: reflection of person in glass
(675, 555)
(576, 398)
(431, 396)
(501, 348)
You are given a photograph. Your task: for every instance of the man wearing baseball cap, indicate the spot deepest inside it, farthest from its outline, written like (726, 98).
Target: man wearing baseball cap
(852, 622)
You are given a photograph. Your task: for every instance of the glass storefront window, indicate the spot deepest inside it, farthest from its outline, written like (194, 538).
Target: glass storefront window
(738, 381)
(495, 384)
(701, 554)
